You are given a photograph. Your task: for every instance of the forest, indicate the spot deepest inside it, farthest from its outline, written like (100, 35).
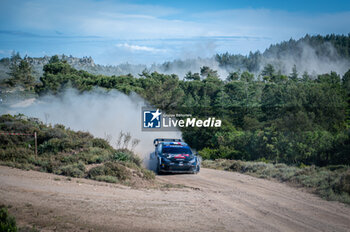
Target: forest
(330, 47)
(294, 118)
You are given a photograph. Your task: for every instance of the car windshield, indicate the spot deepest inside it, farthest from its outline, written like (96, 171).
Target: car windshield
(176, 150)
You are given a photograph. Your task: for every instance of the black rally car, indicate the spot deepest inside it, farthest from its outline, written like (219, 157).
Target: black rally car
(175, 156)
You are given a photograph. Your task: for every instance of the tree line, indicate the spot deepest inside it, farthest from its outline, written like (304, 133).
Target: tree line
(323, 46)
(295, 118)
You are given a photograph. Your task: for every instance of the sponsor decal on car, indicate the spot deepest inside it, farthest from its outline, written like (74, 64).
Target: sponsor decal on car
(181, 156)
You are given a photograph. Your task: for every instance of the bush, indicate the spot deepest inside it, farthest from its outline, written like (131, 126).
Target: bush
(237, 166)
(56, 145)
(7, 222)
(96, 171)
(65, 152)
(101, 143)
(344, 183)
(48, 164)
(16, 154)
(208, 153)
(110, 169)
(73, 170)
(127, 156)
(94, 155)
(50, 133)
(53, 145)
(121, 156)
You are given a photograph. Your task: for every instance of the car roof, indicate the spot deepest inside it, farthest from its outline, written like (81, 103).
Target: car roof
(182, 144)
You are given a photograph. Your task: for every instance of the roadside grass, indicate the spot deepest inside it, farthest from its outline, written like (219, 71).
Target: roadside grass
(65, 152)
(330, 182)
(8, 222)
(108, 179)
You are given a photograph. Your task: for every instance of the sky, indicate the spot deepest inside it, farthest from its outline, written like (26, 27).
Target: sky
(146, 32)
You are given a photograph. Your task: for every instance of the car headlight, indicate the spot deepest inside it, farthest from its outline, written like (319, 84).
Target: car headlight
(165, 160)
(167, 156)
(192, 160)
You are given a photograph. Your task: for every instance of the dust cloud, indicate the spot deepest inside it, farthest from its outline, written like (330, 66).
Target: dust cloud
(103, 114)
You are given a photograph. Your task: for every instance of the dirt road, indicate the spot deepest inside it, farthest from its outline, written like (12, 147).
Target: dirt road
(212, 201)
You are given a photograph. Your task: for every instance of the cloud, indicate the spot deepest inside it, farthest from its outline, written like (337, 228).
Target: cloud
(57, 35)
(124, 21)
(18, 33)
(151, 32)
(101, 18)
(140, 48)
(277, 24)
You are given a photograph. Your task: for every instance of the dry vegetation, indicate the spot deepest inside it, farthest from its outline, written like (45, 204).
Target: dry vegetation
(65, 152)
(330, 182)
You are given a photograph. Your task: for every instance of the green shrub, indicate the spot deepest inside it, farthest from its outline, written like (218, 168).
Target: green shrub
(118, 170)
(53, 145)
(50, 133)
(237, 166)
(110, 169)
(56, 145)
(16, 154)
(121, 156)
(336, 167)
(65, 152)
(101, 143)
(126, 155)
(48, 164)
(208, 153)
(285, 173)
(7, 222)
(93, 155)
(254, 167)
(96, 171)
(73, 170)
(344, 182)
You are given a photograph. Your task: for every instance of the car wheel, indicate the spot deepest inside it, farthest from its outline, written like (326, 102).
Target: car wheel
(157, 169)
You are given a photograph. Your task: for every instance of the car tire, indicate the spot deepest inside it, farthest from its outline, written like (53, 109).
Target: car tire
(157, 169)
(198, 169)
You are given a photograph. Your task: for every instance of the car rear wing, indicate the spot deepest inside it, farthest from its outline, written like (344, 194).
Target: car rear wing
(159, 140)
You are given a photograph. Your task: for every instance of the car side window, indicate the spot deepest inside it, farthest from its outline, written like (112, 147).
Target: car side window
(159, 149)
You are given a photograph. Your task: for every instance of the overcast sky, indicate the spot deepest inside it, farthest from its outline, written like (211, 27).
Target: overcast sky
(114, 32)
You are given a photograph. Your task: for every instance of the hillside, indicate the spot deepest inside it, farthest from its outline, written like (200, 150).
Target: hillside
(66, 152)
(313, 54)
(85, 63)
